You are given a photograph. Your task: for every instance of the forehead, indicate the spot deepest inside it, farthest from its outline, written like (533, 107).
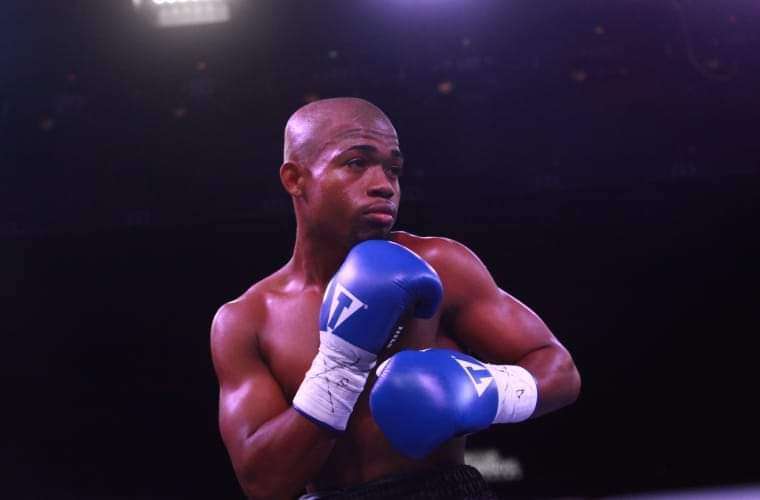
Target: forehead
(341, 135)
(386, 137)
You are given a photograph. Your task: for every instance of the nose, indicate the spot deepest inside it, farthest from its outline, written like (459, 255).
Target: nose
(379, 183)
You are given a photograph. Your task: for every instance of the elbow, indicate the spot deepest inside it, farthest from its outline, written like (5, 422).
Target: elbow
(560, 385)
(573, 384)
(257, 488)
(567, 382)
(267, 485)
(256, 476)
(255, 484)
(254, 492)
(570, 379)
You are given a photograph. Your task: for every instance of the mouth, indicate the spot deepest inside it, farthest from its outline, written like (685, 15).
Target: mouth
(381, 213)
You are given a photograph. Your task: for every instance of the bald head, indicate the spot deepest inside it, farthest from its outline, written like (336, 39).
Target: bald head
(317, 124)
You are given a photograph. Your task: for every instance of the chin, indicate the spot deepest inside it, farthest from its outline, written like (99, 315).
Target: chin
(372, 233)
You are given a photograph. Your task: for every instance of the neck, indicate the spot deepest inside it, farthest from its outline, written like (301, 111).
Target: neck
(317, 256)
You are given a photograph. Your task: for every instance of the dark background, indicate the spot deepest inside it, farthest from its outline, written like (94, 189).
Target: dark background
(601, 157)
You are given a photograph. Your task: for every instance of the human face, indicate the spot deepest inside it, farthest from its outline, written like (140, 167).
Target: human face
(353, 192)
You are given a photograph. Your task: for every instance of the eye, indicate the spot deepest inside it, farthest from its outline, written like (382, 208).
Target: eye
(396, 170)
(358, 162)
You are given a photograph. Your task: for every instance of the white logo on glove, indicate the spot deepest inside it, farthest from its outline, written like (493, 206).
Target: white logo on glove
(484, 377)
(344, 304)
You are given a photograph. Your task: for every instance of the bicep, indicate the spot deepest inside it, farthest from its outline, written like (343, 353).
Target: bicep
(500, 328)
(249, 395)
(246, 403)
(485, 318)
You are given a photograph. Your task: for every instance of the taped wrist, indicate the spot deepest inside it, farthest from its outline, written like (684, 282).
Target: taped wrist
(518, 393)
(334, 381)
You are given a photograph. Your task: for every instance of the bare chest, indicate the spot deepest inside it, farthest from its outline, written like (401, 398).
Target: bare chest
(288, 345)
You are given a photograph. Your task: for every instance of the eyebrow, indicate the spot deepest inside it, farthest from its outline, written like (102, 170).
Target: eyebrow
(368, 148)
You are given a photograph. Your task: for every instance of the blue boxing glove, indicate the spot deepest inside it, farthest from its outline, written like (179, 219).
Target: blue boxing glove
(424, 398)
(375, 285)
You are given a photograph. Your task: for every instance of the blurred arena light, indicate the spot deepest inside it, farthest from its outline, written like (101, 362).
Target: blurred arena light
(173, 13)
(493, 466)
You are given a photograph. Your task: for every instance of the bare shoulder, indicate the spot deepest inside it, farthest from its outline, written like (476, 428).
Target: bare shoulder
(444, 254)
(460, 269)
(244, 310)
(236, 324)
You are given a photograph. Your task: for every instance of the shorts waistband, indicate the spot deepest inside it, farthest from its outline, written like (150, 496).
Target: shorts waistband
(458, 482)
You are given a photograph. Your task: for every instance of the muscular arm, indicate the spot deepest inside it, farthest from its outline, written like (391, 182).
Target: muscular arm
(274, 449)
(500, 329)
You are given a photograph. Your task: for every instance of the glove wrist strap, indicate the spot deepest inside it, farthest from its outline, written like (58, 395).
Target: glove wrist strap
(518, 393)
(333, 383)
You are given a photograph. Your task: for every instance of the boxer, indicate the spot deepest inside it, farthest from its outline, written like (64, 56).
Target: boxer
(358, 368)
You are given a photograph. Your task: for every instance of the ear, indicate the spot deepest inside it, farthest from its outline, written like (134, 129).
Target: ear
(292, 178)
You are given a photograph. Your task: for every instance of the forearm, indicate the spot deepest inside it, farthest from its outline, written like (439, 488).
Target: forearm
(282, 456)
(557, 377)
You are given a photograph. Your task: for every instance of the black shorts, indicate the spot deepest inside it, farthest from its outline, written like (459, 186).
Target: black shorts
(458, 482)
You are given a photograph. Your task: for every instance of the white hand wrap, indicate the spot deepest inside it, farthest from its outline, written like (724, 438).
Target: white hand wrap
(518, 393)
(334, 382)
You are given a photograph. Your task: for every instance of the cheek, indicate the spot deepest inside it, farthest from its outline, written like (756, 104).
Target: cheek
(332, 199)
(342, 201)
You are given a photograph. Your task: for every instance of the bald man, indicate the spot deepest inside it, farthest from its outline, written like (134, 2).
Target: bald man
(301, 407)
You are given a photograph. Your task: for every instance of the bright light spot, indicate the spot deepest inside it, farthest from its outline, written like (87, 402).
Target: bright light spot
(599, 29)
(169, 13)
(493, 466)
(184, 14)
(162, 2)
(333, 54)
